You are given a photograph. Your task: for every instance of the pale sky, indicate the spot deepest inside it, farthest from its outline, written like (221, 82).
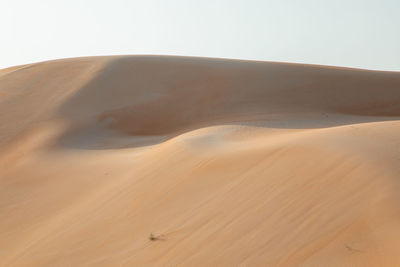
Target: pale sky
(351, 33)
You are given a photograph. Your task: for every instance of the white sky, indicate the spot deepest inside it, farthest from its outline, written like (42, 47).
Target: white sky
(353, 33)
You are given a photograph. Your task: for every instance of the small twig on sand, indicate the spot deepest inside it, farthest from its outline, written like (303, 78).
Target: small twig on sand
(352, 249)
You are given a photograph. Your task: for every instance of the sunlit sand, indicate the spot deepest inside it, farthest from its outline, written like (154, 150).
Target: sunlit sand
(178, 161)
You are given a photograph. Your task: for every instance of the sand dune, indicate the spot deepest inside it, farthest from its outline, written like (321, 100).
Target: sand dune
(226, 162)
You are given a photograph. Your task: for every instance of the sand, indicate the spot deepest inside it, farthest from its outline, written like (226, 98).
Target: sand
(226, 162)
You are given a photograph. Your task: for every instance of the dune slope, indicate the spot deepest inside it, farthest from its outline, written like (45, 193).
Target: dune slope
(226, 162)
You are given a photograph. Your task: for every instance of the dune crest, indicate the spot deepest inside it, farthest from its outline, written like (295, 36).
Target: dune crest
(226, 162)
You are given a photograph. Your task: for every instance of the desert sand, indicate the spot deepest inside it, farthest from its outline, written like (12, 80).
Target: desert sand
(225, 162)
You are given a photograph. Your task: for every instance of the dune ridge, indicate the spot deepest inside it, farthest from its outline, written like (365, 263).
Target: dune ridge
(227, 162)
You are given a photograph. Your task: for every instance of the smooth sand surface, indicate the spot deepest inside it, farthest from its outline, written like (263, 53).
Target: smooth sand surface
(226, 162)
